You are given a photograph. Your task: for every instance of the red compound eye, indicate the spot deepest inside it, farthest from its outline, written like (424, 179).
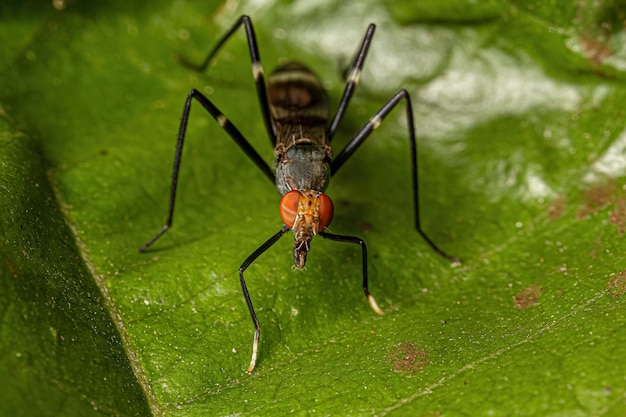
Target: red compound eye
(289, 207)
(326, 211)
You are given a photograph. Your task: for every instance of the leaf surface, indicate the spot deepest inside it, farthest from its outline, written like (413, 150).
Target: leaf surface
(519, 112)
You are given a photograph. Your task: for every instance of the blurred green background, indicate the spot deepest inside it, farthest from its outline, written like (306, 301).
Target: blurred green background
(519, 113)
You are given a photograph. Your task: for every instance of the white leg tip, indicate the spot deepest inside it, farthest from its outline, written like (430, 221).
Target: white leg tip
(374, 305)
(255, 349)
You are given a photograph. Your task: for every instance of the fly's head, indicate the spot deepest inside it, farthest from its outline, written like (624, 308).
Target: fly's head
(307, 213)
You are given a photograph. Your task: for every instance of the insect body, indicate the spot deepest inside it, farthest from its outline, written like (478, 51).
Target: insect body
(299, 109)
(295, 109)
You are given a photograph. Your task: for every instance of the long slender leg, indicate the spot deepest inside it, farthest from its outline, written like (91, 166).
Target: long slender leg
(232, 131)
(257, 69)
(257, 333)
(358, 241)
(364, 133)
(353, 80)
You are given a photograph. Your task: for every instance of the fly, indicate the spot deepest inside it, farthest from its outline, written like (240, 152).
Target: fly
(295, 110)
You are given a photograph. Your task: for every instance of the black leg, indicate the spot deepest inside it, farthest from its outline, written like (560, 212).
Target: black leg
(353, 80)
(364, 133)
(232, 131)
(358, 241)
(257, 69)
(257, 333)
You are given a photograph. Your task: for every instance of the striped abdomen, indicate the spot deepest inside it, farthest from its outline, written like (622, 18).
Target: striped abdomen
(299, 109)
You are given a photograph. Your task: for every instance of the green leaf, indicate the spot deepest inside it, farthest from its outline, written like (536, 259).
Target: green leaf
(519, 111)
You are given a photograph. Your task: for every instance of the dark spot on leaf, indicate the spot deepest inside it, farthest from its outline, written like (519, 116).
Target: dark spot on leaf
(600, 196)
(367, 226)
(556, 208)
(407, 357)
(104, 152)
(11, 267)
(617, 284)
(343, 203)
(596, 198)
(527, 297)
(595, 51)
(618, 215)
(598, 30)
